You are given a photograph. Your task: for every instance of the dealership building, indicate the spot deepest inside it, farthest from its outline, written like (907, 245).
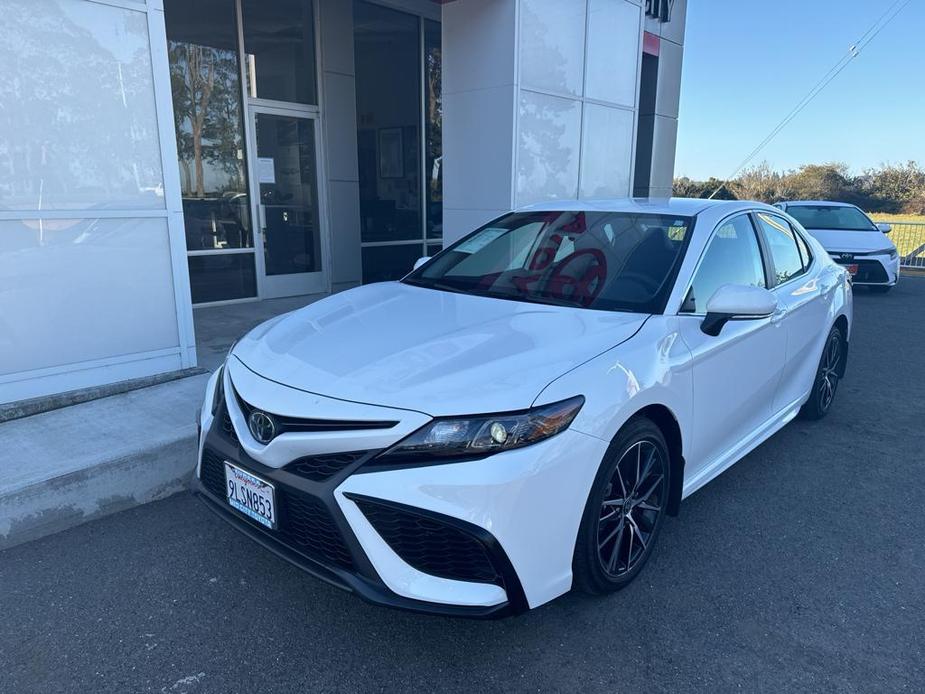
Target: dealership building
(160, 155)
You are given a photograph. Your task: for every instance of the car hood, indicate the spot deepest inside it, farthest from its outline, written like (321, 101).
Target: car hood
(852, 241)
(436, 352)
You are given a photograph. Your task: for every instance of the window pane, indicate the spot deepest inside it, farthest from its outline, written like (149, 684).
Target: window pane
(78, 125)
(381, 263)
(433, 123)
(784, 252)
(83, 289)
(598, 260)
(733, 257)
(205, 79)
(279, 47)
(388, 91)
(805, 255)
(222, 276)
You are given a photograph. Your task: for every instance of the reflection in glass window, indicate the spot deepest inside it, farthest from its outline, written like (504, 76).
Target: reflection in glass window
(388, 91)
(433, 128)
(279, 47)
(732, 257)
(205, 80)
(782, 244)
(78, 124)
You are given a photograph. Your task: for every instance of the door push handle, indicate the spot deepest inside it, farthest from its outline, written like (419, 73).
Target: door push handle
(261, 217)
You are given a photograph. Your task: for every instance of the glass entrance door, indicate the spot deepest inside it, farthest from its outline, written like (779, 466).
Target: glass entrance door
(284, 174)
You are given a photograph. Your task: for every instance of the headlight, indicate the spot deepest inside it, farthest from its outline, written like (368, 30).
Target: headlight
(887, 251)
(479, 435)
(218, 395)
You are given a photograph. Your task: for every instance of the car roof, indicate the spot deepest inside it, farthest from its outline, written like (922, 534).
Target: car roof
(816, 203)
(671, 206)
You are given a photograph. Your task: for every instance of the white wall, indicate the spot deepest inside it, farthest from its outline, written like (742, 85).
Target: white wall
(541, 100)
(93, 280)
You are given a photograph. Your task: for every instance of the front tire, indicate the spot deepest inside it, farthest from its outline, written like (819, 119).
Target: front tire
(827, 377)
(624, 511)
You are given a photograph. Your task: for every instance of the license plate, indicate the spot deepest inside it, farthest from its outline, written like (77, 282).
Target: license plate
(852, 269)
(250, 495)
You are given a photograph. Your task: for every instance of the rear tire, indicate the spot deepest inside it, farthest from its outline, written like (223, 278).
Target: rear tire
(624, 511)
(828, 375)
(881, 288)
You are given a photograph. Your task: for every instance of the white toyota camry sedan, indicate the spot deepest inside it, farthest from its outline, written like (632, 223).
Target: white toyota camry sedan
(517, 415)
(851, 238)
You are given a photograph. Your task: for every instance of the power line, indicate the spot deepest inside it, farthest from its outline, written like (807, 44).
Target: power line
(854, 50)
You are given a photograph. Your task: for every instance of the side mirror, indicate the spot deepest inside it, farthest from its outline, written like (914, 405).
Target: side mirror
(737, 302)
(884, 227)
(420, 261)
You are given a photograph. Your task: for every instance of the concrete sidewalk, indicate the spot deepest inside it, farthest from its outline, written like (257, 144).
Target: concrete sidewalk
(67, 466)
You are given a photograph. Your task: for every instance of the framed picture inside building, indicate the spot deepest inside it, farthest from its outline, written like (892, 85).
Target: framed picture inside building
(391, 153)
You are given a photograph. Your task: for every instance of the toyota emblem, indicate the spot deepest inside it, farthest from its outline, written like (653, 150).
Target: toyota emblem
(262, 426)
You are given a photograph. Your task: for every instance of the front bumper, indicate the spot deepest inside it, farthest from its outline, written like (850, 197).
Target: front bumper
(518, 511)
(873, 270)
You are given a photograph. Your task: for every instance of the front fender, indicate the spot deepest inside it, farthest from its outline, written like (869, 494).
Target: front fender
(651, 368)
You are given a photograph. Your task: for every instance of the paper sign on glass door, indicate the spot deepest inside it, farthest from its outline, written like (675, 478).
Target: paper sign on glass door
(266, 171)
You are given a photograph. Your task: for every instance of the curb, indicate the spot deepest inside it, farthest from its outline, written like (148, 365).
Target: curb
(59, 503)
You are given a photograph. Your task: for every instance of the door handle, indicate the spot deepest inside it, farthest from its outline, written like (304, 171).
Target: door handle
(261, 217)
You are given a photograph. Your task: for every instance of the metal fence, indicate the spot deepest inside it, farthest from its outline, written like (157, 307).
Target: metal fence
(909, 238)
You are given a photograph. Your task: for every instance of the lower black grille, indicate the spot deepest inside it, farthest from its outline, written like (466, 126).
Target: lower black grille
(304, 522)
(322, 467)
(869, 271)
(431, 546)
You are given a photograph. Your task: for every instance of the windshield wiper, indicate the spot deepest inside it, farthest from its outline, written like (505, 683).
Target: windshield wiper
(429, 284)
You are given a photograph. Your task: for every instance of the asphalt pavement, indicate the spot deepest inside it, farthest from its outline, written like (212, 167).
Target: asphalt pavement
(802, 568)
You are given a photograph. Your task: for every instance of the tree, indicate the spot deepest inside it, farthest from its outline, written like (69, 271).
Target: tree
(895, 188)
(822, 182)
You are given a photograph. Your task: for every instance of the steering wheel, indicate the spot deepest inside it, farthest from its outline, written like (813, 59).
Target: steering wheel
(582, 290)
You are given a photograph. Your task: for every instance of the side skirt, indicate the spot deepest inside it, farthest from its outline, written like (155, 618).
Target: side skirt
(761, 434)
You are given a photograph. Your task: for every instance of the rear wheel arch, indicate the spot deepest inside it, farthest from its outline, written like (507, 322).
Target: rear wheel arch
(842, 324)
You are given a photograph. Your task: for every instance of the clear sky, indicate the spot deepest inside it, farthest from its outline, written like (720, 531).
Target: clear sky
(747, 64)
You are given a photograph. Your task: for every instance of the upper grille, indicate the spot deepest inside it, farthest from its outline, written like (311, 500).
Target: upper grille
(431, 546)
(323, 467)
(285, 423)
(304, 522)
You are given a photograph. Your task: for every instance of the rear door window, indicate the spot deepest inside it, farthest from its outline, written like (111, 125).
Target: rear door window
(781, 240)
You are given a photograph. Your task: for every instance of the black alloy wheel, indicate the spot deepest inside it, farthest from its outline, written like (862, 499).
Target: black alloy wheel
(625, 510)
(827, 377)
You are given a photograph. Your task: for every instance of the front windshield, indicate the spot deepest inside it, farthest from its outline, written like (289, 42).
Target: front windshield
(840, 217)
(615, 261)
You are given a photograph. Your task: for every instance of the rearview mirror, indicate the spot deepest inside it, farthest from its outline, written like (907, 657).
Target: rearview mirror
(420, 261)
(737, 302)
(884, 227)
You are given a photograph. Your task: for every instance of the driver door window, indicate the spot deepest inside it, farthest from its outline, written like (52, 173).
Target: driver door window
(732, 257)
